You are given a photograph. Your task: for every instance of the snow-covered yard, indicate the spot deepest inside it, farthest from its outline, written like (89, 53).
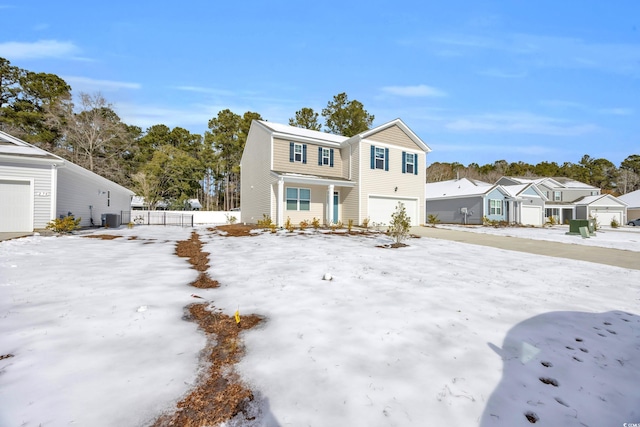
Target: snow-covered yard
(437, 333)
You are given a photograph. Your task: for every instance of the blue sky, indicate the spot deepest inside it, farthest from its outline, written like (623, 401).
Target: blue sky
(478, 81)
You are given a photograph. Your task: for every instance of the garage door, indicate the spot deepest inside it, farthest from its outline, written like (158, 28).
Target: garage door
(531, 215)
(15, 206)
(381, 208)
(603, 218)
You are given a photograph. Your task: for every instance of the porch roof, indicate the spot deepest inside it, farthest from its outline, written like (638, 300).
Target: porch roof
(298, 178)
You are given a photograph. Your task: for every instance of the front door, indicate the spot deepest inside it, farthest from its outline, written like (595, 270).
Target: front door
(336, 199)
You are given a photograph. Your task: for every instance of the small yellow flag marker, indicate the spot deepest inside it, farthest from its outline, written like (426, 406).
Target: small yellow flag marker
(237, 316)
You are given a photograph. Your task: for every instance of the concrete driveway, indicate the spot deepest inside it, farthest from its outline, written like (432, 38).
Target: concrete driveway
(9, 236)
(614, 257)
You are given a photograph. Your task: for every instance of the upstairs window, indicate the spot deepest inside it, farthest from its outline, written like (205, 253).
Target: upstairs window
(325, 156)
(409, 163)
(297, 152)
(379, 158)
(557, 196)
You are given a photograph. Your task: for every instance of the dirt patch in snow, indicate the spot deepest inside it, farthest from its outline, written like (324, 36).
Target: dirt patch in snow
(102, 236)
(235, 230)
(219, 395)
(192, 249)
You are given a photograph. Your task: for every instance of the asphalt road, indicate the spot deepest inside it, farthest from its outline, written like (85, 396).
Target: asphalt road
(614, 257)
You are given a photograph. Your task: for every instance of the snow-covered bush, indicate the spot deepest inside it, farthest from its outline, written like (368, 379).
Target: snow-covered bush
(400, 223)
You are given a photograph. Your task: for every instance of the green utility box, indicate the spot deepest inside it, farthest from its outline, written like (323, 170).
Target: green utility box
(575, 224)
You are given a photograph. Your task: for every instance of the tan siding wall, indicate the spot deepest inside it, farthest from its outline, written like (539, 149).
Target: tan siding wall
(317, 210)
(350, 205)
(41, 175)
(256, 181)
(395, 136)
(281, 161)
(381, 182)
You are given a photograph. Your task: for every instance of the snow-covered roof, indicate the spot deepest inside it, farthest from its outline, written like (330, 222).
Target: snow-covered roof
(456, 188)
(572, 183)
(631, 199)
(303, 133)
(587, 200)
(12, 146)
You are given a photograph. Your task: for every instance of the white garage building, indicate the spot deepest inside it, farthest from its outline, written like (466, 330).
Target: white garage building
(37, 186)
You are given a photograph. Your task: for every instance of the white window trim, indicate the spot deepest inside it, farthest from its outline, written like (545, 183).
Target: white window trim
(326, 156)
(297, 145)
(411, 163)
(495, 207)
(383, 158)
(297, 199)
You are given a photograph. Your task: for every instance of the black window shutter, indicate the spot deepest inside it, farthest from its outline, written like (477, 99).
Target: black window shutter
(304, 154)
(386, 159)
(291, 151)
(331, 157)
(373, 157)
(319, 156)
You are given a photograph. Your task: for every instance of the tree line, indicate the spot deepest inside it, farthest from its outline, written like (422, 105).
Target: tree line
(600, 173)
(174, 165)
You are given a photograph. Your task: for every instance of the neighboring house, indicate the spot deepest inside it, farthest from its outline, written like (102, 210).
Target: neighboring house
(465, 201)
(604, 208)
(561, 195)
(37, 186)
(300, 174)
(633, 204)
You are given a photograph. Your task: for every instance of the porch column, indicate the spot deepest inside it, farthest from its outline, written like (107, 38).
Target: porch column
(280, 204)
(330, 216)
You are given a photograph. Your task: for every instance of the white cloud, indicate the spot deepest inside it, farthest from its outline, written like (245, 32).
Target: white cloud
(414, 91)
(199, 89)
(548, 51)
(524, 123)
(617, 111)
(39, 49)
(86, 84)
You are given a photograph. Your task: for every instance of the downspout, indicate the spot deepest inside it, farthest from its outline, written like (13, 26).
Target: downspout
(280, 203)
(53, 192)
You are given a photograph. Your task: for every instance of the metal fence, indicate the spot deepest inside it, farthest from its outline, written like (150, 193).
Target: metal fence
(157, 218)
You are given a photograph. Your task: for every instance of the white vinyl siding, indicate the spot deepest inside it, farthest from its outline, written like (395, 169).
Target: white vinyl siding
(88, 196)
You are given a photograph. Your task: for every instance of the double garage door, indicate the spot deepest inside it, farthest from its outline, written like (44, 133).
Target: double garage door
(604, 217)
(381, 209)
(15, 206)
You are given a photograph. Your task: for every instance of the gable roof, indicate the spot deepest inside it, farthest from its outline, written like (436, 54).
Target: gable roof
(555, 182)
(456, 188)
(12, 146)
(397, 122)
(587, 200)
(518, 190)
(314, 136)
(301, 134)
(16, 148)
(632, 199)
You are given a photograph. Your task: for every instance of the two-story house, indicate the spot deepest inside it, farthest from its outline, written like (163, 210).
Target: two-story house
(467, 201)
(301, 174)
(568, 199)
